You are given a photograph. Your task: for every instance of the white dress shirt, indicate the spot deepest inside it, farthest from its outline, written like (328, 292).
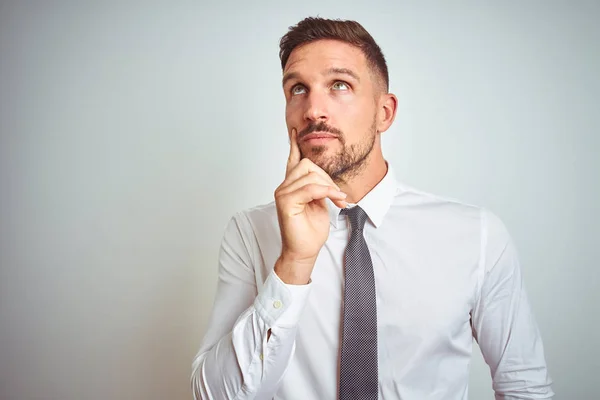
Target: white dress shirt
(445, 272)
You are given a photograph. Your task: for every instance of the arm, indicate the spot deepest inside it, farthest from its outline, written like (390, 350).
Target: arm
(503, 323)
(238, 359)
(251, 336)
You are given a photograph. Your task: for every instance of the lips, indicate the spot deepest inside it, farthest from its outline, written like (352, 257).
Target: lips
(318, 135)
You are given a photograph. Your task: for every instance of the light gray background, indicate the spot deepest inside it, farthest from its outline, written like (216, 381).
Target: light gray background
(131, 132)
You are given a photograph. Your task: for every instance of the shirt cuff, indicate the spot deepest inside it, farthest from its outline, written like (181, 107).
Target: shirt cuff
(280, 304)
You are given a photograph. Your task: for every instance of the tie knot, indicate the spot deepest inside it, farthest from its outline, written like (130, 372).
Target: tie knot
(357, 217)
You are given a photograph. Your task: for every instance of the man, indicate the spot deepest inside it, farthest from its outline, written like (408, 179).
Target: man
(352, 285)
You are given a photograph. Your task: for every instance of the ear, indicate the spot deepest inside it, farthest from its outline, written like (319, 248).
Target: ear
(387, 107)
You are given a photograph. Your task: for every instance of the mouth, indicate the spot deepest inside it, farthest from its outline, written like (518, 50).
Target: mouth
(318, 137)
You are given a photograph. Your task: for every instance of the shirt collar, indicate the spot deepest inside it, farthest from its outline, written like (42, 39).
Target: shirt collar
(376, 203)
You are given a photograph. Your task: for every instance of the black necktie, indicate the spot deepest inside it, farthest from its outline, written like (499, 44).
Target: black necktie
(358, 368)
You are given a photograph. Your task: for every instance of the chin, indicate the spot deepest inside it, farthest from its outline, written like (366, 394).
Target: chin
(318, 154)
(326, 163)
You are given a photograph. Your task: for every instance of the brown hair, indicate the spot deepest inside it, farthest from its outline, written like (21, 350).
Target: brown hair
(312, 29)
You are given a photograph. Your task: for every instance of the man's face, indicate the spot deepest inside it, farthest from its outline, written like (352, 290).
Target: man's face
(330, 96)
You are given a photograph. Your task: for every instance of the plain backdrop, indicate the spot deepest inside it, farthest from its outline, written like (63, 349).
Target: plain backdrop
(132, 131)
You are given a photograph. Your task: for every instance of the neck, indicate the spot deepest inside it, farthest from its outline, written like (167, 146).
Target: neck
(362, 183)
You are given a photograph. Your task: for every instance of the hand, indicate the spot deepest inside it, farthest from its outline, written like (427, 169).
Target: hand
(303, 215)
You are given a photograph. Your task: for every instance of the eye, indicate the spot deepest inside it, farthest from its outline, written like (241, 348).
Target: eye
(298, 89)
(339, 85)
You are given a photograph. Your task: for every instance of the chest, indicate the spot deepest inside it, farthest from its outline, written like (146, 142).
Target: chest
(425, 286)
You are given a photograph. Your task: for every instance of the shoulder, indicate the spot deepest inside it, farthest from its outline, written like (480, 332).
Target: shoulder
(447, 209)
(249, 220)
(411, 196)
(259, 214)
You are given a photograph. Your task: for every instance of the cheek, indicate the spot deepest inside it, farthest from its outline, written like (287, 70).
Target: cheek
(292, 115)
(353, 117)
(350, 105)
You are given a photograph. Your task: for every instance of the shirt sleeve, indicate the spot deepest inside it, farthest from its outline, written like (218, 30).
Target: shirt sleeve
(236, 360)
(503, 323)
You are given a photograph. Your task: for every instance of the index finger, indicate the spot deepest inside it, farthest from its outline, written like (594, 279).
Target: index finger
(294, 157)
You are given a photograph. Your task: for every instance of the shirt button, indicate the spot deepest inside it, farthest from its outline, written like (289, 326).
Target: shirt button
(277, 304)
(261, 356)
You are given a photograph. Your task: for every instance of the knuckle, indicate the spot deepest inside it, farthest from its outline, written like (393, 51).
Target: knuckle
(277, 191)
(280, 191)
(319, 178)
(314, 187)
(313, 176)
(305, 162)
(282, 200)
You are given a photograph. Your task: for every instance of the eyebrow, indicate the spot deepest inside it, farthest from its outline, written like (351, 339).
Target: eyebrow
(343, 71)
(330, 71)
(290, 76)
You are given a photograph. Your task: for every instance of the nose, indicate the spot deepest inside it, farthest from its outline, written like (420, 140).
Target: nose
(316, 107)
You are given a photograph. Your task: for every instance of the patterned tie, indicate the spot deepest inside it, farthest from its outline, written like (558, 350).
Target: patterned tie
(358, 368)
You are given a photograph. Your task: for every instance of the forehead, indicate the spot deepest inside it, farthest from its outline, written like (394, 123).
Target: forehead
(322, 55)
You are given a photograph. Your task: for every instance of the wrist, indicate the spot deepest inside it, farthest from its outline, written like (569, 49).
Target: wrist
(294, 271)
